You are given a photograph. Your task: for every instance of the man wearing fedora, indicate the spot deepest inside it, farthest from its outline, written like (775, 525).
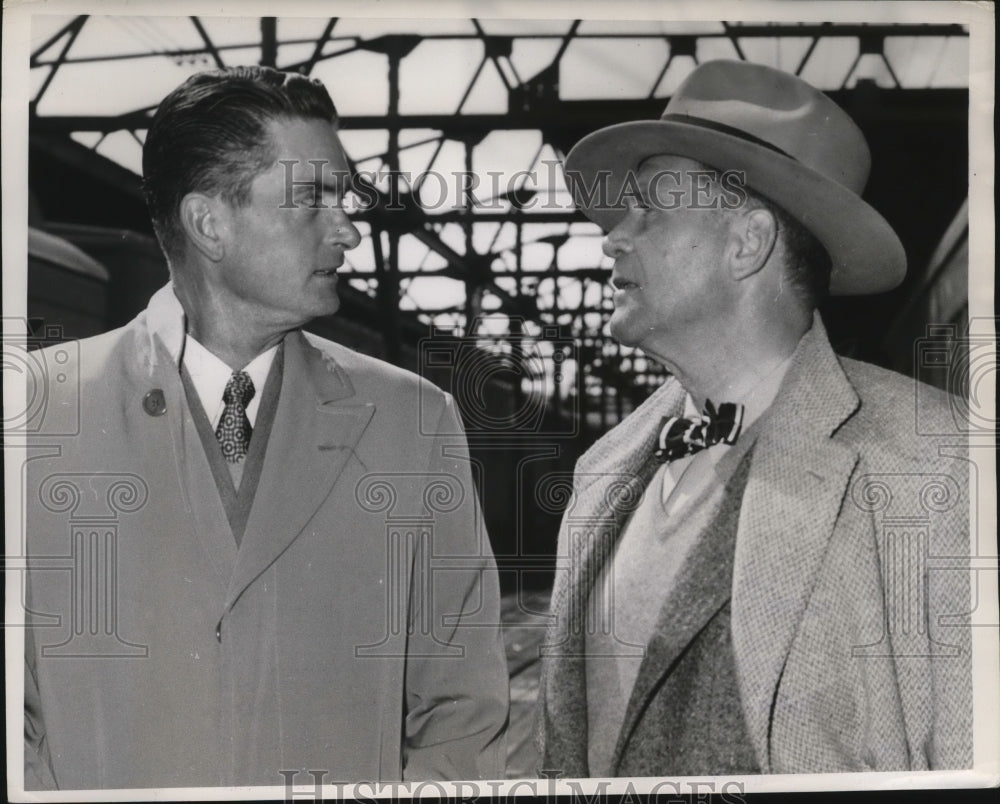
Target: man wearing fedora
(733, 597)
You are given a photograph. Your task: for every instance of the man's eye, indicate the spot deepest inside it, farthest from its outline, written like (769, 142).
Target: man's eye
(324, 199)
(306, 199)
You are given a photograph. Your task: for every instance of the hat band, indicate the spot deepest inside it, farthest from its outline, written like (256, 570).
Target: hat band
(722, 128)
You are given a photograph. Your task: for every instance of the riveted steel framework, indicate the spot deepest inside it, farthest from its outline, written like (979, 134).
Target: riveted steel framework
(499, 246)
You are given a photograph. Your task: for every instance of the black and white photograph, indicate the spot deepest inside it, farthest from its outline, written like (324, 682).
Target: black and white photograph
(483, 400)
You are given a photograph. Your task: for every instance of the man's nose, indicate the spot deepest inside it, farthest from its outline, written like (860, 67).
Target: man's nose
(343, 232)
(617, 242)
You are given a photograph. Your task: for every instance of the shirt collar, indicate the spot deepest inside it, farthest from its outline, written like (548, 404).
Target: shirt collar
(209, 374)
(756, 399)
(166, 321)
(760, 396)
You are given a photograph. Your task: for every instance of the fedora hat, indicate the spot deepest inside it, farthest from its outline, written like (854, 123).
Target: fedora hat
(794, 145)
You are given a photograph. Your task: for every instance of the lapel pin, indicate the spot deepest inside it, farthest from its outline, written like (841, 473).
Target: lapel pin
(154, 403)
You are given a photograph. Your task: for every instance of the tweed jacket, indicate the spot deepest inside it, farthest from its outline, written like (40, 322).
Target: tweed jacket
(331, 639)
(852, 651)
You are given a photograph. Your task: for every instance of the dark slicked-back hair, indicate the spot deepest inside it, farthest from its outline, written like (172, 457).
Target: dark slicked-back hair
(210, 135)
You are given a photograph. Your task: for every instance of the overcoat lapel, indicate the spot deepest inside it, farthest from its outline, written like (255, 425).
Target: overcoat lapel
(173, 433)
(317, 426)
(794, 493)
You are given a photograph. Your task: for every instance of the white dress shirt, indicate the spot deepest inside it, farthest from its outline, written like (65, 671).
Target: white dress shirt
(209, 375)
(682, 479)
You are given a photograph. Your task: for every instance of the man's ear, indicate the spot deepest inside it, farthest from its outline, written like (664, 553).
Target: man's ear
(754, 236)
(201, 218)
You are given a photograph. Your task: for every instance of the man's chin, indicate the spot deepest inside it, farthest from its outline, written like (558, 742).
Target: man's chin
(619, 329)
(327, 305)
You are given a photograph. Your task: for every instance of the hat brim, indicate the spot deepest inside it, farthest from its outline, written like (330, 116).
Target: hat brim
(867, 255)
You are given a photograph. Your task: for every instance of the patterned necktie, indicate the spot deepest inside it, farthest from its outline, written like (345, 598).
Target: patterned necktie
(680, 437)
(234, 428)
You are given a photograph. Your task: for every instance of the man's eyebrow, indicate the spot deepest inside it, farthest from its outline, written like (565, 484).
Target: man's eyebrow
(333, 186)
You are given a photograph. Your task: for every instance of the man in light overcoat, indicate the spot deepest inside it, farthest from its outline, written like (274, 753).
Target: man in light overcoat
(236, 530)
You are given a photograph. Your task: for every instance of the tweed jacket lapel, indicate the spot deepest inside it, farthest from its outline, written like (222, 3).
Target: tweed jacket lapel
(795, 489)
(703, 588)
(317, 425)
(586, 539)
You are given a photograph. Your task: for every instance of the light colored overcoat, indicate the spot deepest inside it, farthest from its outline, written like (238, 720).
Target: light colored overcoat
(354, 631)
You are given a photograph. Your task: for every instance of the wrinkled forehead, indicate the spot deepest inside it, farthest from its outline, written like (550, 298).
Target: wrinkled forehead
(669, 181)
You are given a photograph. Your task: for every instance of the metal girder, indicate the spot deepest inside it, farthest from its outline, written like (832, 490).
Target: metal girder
(70, 27)
(73, 29)
(269, 42)
(563, 119)
(475, 268)
(492, 53)
(306, 67)
(533, 104)
(210, 47)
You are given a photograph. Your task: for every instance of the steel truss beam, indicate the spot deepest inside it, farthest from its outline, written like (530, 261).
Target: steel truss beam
(607, 389)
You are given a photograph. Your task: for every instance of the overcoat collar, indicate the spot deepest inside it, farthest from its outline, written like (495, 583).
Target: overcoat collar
(317, 426)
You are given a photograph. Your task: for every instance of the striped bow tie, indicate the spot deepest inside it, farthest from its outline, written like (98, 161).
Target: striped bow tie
(680, 436)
